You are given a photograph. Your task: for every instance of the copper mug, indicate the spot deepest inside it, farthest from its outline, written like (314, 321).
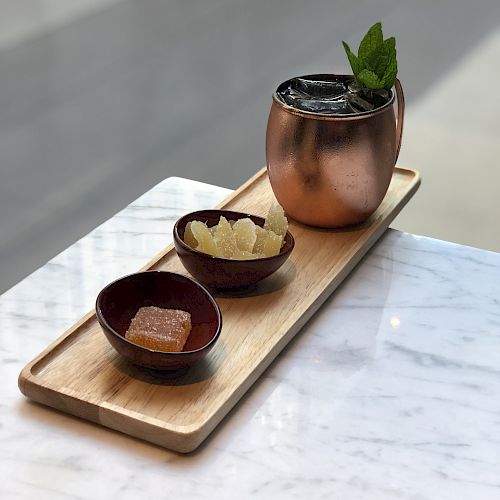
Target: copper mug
(332, 170)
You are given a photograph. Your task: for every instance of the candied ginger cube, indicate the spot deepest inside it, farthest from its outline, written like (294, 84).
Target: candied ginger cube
(189, 238)
(244, 255)
(272, 244)
(224, 239)
(203, 236)
(261, 236)
(245, 234)
(276, 221)
(160, 329)
(241, 239)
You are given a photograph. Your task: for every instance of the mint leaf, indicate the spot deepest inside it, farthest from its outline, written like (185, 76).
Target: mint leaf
(390, 73)
(380, 57)
(376, 66)
(369, 80)
(390, 45)
(353, 60)
(371, 42)
(377, 62)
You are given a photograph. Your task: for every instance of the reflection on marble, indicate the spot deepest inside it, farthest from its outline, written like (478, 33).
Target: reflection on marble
(390, 391)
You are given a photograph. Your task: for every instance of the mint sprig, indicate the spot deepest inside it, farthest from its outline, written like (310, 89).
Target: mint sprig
(375, 67)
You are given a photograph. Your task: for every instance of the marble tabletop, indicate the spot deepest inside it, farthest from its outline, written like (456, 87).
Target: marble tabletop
(391, 391)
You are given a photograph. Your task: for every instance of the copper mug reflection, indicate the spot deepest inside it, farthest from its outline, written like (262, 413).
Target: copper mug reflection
(332, 170)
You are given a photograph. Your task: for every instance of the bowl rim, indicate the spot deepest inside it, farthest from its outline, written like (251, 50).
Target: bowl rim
(284, 251)
(104, 323)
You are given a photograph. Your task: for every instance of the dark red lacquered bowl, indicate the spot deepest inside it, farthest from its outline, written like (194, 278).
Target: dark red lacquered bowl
(216, 272)
(119, 301)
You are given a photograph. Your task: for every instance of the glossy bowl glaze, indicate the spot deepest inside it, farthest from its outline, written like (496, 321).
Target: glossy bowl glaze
(216, 272)
(119, 301)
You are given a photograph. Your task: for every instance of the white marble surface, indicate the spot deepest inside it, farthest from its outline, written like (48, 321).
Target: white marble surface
(390, 392)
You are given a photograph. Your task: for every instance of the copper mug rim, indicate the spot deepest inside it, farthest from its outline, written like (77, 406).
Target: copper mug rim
(329, 116)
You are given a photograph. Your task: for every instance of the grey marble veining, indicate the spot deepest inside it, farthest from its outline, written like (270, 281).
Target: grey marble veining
(389, 392)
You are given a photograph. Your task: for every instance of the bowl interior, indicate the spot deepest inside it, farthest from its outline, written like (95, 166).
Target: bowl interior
(118, 303)
(211, 218)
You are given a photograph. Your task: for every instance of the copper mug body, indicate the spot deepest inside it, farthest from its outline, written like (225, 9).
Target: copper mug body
(332, 170)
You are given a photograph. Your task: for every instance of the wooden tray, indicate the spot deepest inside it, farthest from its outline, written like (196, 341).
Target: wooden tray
(81, 374)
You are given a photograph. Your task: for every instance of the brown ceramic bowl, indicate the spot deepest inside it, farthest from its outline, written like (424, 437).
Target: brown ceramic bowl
(119, 301)
(216, 272)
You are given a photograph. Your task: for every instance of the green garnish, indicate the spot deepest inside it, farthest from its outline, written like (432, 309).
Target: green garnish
(375, 66)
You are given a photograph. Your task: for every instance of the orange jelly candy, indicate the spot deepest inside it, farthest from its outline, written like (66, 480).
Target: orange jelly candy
(160, 329)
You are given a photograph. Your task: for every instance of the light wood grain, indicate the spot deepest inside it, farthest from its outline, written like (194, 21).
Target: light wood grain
(81, 374)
